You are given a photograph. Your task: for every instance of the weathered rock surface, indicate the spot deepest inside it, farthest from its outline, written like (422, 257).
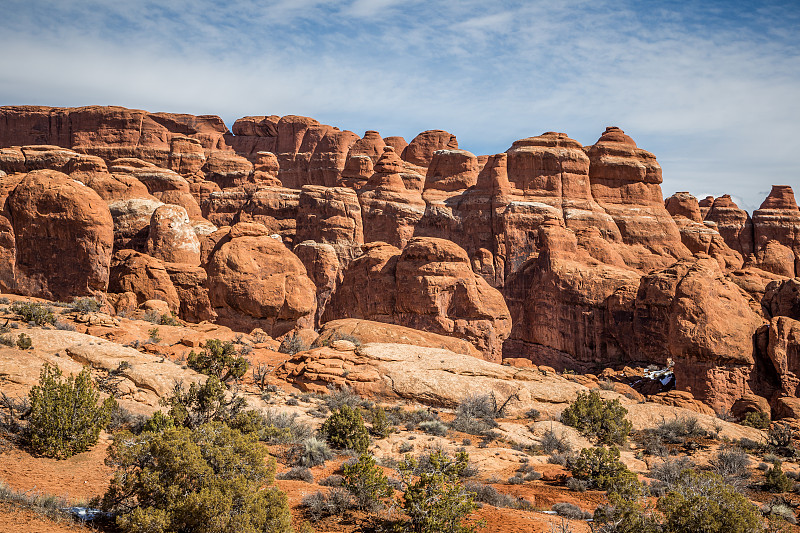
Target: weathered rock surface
(429, 286)
(563, 306)
(421, 148)
(626, 183)
(144, 276)
(778, 220)
(64, 236)
(390, 212)
(172, 237)
(255, 281)
(367, 331)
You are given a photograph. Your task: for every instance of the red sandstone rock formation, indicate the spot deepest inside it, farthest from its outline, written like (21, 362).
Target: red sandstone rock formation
(429, 286)
(700, 237)
(733, 224)
(172, 238)
(144, 276)
(108, 132)
(64, 235)
(566, 231)
(625, 182)
(782, 298)
(390, 211)
(255, 281)
(559, 302)
(778, 220)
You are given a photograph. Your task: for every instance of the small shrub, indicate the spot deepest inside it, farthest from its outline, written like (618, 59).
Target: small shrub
(533, 414)
(550, 442)
(219, 359)
(84, 305)
(153, 336)
(158, 423)
(578, 485)
(297, 473)
(731, 464)
(24, 342)
(8, 340)
(598, 418)
(677, 430)
(781, 510)
(475, 414)
(702, 501)
(334, 480)
(533, 476)
(320, 505)
(34, 312)
(559, 459)
(200, 404)
(490, 496)
(599, 466)
(260, 375)
(168, 319)
(122, 419)
(366, 482)
(65, 418)
(780, 437)
(336, 398)
(571, 511)
(381, 428)
(315, 452)
(433, 427)
(756, 419)
(670, 470)
(292, 344)
(64, 326)
(435, 499)
(345, 429)
(271, 427)
(775, 480)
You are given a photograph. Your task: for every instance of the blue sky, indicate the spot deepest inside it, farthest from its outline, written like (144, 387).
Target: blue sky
(712, 88)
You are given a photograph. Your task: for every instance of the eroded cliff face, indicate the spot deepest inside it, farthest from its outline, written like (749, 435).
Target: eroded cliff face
(564, 254)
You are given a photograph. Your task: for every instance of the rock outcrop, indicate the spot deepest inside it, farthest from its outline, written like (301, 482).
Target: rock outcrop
(778, 221)
(430, 286)
(255, 281)
(63, 234)
(284, 223)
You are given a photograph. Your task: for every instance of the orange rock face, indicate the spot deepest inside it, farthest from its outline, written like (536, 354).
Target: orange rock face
(778, 220)
(255, 281)
(551, 252)
(64, 235)
(429, 286)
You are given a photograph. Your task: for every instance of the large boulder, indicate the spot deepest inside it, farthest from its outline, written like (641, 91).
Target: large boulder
(331, 215)
(255, 281)
(782, 298)
(685, 312)
(420, 150)
(429, 286)
(172, 238)
(144, 276)
(64, 236)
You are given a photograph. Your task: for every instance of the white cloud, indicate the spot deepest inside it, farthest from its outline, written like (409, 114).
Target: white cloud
(713, 97)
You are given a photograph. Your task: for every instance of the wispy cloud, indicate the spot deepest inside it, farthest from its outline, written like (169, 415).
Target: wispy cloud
(709, 87)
